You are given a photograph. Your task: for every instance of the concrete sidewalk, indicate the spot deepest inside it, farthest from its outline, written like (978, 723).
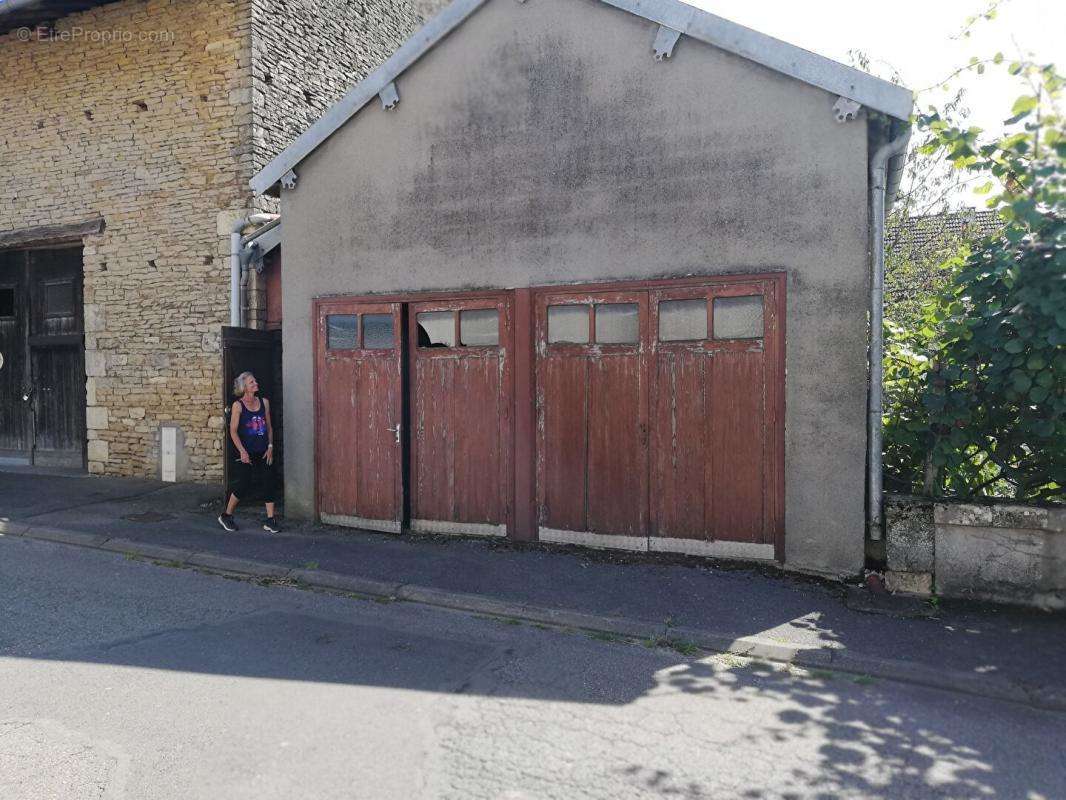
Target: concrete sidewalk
(1000, 652)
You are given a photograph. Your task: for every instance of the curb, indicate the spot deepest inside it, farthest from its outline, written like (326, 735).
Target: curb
(837, 659)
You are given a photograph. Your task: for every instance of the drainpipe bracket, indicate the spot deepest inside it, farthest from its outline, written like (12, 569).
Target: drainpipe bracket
(288, 180)
(389, 97)
(665, 40)
(845, 110)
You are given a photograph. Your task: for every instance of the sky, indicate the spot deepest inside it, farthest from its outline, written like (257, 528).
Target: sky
(920, 39)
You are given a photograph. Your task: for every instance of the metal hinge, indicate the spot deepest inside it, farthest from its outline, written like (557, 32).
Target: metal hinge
(389, 96)
(665, 39)
(846, 109)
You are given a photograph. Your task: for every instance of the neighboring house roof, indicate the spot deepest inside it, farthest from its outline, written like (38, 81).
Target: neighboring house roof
(836, 78)
(924, 235)
(27, 13)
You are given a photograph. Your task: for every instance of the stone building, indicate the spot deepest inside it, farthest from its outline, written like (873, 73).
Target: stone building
(128, 133)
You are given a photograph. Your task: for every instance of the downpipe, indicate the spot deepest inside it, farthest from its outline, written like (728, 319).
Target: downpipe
(236, 279)
(886, 168)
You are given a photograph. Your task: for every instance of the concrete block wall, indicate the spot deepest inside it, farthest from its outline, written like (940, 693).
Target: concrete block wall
(139, 112)
(1001, 553)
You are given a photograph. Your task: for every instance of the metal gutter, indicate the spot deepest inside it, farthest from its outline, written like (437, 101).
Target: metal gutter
(886, 169)
(236, 306)
(803, 65)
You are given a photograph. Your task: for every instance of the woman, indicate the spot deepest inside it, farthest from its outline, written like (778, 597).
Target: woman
(252, 434)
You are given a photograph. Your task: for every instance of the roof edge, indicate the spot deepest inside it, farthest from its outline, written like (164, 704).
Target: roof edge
(365, 91)
(825, 73)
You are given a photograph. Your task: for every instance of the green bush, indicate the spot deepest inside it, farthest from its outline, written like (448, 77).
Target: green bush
(976, 397)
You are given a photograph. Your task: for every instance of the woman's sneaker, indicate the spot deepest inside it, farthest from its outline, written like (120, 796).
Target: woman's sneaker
(271, 525)
(228, 522)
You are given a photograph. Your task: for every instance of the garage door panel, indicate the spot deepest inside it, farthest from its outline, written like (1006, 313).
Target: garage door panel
(433, 490)
(617, 458)
(681, 458)
(479, 453)
(737, 446)
(377, 477)
(562, 446)
(338, 441)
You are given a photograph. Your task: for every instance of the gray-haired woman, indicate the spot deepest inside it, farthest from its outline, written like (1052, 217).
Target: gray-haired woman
(252, 434)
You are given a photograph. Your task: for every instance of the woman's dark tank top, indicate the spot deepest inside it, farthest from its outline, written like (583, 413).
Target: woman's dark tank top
(252, 428)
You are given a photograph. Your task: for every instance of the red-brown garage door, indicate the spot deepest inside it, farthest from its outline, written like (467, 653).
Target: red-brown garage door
(461, 411)
(358, 401)
(658, 417)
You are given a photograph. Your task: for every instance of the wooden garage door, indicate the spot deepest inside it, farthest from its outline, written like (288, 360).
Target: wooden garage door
(658, 414)
(461, 474)
(358, 403)
(714, 372)
(592, 415)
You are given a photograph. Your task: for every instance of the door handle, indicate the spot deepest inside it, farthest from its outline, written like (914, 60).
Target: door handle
(396, 430)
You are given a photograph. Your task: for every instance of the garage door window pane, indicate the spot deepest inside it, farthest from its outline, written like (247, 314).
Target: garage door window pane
(377, 332)
(436, 329)
(617, 323)
(341, 331)
(7, 301)
(479, 327)
(738, 317)
(568, 324)
(682, 320)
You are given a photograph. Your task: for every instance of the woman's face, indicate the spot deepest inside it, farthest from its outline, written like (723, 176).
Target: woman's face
(251, 385)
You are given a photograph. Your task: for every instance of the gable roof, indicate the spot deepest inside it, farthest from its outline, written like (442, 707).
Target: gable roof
(803, 65)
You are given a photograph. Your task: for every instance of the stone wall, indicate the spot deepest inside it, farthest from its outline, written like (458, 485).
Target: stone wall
(154, 114)
(139, 112)
(1003, 553)
(307, 53)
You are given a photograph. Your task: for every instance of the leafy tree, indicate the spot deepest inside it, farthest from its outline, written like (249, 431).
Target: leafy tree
(989, 362)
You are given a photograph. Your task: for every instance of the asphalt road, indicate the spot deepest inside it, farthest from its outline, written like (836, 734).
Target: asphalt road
(122, 679)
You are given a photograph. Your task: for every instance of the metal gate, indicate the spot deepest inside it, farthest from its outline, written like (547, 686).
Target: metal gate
(42, 346)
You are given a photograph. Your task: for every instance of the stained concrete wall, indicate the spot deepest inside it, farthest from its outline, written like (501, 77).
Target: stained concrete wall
(542, 143)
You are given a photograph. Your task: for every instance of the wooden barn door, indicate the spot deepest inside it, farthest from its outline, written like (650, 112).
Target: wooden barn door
(715, 410)
(358, 407)
(461, 474)
(16, 422)
(592, 418)
(42, 342)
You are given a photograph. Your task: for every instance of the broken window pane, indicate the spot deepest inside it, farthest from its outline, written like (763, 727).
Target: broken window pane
(377, 331)
(436, 329)
(738, 317)
(479, 327)
(340, 331)
(617, 323)
(7, 301)
(568, 324)
(59, 299)
(681, 320)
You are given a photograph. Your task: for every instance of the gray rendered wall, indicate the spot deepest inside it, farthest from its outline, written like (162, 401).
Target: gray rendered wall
(542, 143)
